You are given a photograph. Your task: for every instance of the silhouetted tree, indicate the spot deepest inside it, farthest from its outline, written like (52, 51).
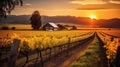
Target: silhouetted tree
(35, 20)
(74, 28)
(5, 28)
(61, 27)
(13, 28)
(6, 6)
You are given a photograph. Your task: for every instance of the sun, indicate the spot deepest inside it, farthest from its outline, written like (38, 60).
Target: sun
(92, 17)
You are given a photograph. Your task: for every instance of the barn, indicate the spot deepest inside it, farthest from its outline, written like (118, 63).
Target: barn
(50, 26)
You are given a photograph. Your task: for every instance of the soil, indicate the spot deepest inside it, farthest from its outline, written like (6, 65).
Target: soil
(66, 60)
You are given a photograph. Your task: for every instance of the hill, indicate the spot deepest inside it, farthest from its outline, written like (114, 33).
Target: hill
(24, 19)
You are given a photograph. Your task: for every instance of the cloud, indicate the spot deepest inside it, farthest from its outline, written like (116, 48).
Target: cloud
(115, 1)
(98, 7)
(94, 8)
(86, 2)
(89, 2)
(96, 4)
(28, 4)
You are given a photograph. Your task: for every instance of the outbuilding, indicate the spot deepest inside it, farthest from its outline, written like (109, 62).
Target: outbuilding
(50, 26)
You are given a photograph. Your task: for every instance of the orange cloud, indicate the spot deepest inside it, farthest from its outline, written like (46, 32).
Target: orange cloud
(89, 2)
(86, 2)
(92, 8)
(96, 4)
(27, 4)
(115, 2)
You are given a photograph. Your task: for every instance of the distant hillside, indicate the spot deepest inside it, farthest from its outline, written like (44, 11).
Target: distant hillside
(24, 19)
(114, 23)
(13, 19)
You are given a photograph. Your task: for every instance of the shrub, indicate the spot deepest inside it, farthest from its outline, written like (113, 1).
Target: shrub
(74, 28)
(13, 28)
(5, 28)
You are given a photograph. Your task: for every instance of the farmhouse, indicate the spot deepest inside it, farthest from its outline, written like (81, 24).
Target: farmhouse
(50, 26)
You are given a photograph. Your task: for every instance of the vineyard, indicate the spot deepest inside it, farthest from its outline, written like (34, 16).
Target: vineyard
(112, 47)
(43, 48)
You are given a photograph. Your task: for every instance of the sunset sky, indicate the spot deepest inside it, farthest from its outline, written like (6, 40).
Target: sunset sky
(101, 9)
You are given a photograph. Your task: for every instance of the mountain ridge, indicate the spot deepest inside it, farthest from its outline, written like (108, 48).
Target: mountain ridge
(24, 19)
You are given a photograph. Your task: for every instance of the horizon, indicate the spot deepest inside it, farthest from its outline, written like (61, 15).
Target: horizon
(69, 20)
(65, 16)
(59, 33)
(104, 13)
(65, 20)
(101, 9)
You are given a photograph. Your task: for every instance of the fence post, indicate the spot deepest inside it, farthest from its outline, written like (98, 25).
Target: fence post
(68, 46)
(13, 53)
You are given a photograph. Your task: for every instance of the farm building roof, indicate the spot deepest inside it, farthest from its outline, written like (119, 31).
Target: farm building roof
(53, 24)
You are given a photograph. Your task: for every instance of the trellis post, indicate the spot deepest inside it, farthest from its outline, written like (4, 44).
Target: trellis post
(13, 53)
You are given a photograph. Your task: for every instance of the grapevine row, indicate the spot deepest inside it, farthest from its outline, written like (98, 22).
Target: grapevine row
(111, 44)
(39, 45)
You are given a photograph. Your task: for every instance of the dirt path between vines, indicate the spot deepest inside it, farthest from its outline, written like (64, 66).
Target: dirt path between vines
(104, 62)
(66, 60)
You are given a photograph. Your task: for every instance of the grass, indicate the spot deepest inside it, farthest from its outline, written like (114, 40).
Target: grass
(90, 57)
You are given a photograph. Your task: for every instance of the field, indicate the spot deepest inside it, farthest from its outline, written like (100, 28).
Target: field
(60, 33)
(41, 47)
(17, 26)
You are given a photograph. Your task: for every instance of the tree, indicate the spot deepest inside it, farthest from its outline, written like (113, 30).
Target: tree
(74, 28)
(61, 27)
(6, 6)
(35, 20)
(5, 28)
(13, 28)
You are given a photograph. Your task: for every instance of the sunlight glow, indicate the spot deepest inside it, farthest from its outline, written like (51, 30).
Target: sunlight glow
(92, 16)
